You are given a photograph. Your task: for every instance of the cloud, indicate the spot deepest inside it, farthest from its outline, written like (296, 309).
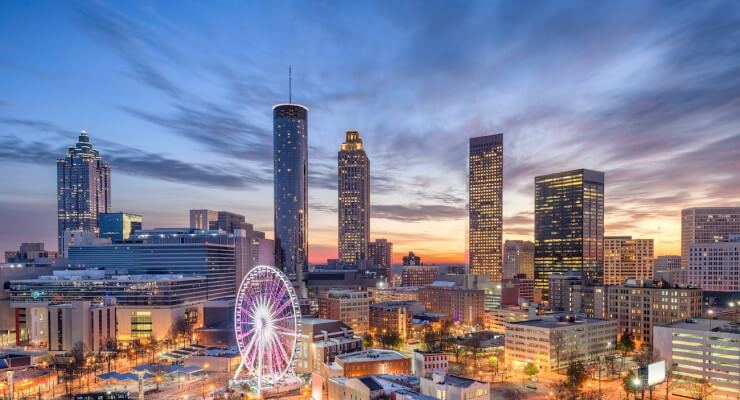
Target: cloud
(415, 213)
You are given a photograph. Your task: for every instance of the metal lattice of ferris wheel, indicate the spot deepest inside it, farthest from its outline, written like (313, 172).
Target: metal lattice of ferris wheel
(267, 320)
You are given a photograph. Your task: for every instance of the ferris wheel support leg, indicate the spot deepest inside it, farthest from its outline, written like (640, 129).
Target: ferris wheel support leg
(239, 369)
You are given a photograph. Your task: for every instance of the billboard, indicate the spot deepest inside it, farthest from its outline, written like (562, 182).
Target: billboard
(656, 373)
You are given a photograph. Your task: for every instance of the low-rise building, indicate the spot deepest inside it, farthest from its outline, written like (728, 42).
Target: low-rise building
(424, 363)
(400, 293)
(698, 349)
(348, 306)
(372, 387)
(394, 316)
(93, 325)
(462, 305)
(369, 362)
(452, 387)
(638, 306)
(322, 340)
(553, 342)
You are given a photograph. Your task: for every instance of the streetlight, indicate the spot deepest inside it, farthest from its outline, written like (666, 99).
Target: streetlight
(711, 313)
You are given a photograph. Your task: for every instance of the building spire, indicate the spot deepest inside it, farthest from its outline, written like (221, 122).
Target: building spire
(290, 84)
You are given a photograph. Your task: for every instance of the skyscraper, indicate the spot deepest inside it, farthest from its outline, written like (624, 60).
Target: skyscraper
(569, 225)
(354, 199)
(201, 219)
(290, 157)
(83, 189)
(706, 225)
(485, 197)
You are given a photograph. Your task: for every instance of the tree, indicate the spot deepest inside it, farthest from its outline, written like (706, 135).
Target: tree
(576, 374)
(184, 329)
(367, 340)
(669, 382)
(558, 343)
(493, 364)
(631, 384)
(700, 389)
(110, 349)
(561, 390)
(474, 348)
(626, 344)
(529, 370)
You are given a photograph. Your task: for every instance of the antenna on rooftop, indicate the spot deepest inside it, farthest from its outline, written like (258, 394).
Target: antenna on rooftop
(290, 84)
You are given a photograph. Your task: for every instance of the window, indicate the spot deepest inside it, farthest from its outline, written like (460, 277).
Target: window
(141, 324)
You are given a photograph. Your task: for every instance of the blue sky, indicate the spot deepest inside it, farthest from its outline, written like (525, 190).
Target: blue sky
(178, 96)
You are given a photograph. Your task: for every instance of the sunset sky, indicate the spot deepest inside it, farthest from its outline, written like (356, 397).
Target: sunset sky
(178, 96)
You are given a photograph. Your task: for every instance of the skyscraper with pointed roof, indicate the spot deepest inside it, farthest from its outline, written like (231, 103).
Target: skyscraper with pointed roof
(354, 199)
(83, 189)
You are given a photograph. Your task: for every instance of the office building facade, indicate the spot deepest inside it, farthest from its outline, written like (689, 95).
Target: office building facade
(83, 189)
(394, 316)
(290, 157)
(554, 342)
(715, 267)
(702, 225)
(485, 199)
(118, 226)
(627, 258)
(518, 259)
(668, 268)
(421, 275)
(460, 304)
(353, 190)
(569, 225)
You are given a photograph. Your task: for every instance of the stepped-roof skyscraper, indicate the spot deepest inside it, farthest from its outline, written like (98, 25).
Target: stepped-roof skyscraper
(354, 199)
(83, 189)
(290, 156)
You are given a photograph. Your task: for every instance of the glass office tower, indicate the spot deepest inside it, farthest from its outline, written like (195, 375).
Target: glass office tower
(290, 156)
(83, 189)
(485, 197)
(353, 199)
(118, 226)
(569, 225)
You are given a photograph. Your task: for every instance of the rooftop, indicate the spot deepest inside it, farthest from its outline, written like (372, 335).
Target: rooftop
(558, 321)
(707, 325)
(459, 381)
(371, 355)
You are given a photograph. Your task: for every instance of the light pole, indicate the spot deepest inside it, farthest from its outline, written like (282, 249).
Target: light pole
(711, 313)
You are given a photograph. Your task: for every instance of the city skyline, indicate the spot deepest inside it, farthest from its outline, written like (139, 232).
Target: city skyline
(174, 144)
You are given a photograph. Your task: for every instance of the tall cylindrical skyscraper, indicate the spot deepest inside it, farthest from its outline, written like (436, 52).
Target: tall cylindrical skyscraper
(290, 156)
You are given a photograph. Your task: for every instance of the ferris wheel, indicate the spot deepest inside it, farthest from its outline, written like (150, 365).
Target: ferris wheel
(267, 319)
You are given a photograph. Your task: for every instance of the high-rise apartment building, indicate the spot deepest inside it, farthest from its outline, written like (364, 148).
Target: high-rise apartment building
(118, 226)
(418, 275)
(485, 198)
(518, 258)
(715, 267)
(290, 157)
(349, 306)
(380, 253)
(353, 192)
(627, 258)
(569, 225)
(638, 306)
(83, 189)
(701, 225)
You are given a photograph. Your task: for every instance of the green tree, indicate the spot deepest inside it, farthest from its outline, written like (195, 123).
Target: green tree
(626, 344)
(576, 374)
(529, 370)
(367, 340)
